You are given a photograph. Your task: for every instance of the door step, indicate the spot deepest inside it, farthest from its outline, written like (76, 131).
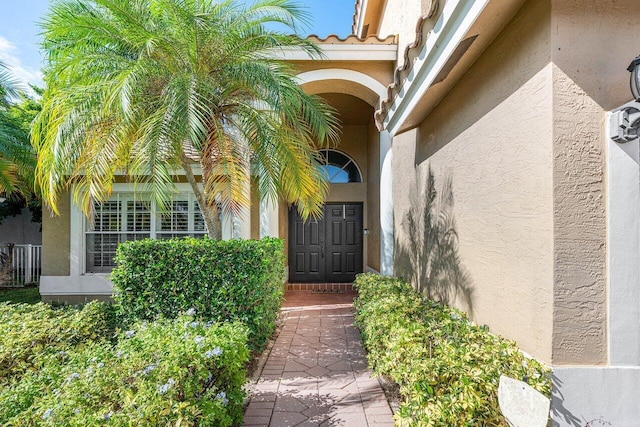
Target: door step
(320, 287)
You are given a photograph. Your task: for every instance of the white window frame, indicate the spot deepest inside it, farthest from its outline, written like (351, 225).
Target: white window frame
(78, 228)
(343, 167)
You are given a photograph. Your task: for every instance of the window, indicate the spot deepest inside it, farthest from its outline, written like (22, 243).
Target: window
(339, 168)
(133, 217)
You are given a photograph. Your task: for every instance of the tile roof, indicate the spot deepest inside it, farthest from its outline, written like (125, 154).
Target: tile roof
(423, 27)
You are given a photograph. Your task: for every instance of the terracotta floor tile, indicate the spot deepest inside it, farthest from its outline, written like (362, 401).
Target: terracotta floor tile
(316, 373)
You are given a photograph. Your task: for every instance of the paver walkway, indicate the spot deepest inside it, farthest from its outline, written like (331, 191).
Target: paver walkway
(316, 373)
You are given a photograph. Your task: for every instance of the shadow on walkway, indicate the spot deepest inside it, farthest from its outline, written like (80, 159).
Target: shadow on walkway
(316, 373)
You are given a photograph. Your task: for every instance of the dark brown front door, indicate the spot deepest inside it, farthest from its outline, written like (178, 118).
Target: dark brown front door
(327, 249)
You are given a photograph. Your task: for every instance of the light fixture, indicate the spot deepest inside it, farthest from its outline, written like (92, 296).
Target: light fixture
(634, 69)
(624, 122)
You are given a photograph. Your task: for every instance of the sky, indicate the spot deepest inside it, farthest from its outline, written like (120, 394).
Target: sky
(19, 31)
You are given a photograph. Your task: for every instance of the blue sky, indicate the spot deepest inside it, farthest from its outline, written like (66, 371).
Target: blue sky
(19, 30)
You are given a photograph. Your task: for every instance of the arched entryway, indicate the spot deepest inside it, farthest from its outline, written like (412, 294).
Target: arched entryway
(330, 248)
(352, 79)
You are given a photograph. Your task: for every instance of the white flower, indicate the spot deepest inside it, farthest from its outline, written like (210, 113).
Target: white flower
(199, 339)
(129, 334)
(191, 312)
(100, 365)
(119, 353)
(108, 415)
(47, 414)
(76, 411)
(73, 376)
(194, 324)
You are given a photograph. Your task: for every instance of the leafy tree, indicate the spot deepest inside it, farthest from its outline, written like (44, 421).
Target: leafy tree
(152, 86)
(17, 160)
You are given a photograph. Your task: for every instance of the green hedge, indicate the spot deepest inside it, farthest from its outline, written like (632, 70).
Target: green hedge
(222, 280)
(168, 372)
(447, 368)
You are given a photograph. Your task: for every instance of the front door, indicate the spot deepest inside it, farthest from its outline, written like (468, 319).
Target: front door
(327, 249)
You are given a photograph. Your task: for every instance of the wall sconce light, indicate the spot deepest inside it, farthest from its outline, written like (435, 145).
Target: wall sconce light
(624, 123)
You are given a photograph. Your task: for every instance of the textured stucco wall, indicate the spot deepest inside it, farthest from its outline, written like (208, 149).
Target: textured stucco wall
(55, 239)
(593, 41)
(400, 17)
(580, 226)
(373, 197)
(497, 150)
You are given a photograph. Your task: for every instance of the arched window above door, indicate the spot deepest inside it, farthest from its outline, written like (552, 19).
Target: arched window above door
(339, 168)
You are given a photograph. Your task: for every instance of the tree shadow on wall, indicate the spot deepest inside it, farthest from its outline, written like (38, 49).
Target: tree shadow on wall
(428, 257)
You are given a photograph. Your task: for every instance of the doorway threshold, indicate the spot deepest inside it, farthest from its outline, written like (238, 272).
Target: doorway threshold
(320, 287)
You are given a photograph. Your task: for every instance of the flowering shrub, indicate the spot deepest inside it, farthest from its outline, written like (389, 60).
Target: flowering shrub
(223, 280)
(169, 372)
(447, 368)
(31, 333)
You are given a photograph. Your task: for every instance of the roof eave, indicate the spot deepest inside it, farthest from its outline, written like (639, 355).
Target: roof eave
(350, 48)
(419, 82)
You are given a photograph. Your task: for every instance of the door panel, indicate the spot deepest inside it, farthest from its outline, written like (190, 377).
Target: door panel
(306, 245)
(344, 242)
(328, 249)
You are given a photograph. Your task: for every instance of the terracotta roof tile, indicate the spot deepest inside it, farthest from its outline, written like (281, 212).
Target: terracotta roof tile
(353, 39)
(423, 27)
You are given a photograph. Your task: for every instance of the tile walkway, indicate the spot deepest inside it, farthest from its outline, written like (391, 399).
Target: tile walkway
(316, 373)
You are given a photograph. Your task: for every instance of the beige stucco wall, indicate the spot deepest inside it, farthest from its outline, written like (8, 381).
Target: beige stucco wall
(593, 41)
(55, 239)
(496, 148)
(400, 17)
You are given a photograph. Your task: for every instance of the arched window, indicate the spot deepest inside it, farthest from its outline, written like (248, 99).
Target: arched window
(339, 167)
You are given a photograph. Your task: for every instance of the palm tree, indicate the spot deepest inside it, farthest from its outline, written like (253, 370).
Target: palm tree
(16, 156)
(149, 86)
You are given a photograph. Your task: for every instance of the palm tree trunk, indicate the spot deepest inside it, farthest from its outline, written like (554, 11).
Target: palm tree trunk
(209, 210)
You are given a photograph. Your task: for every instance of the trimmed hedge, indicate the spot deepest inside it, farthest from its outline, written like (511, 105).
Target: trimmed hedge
(168, 372)
(223, 280)
(447, 368)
